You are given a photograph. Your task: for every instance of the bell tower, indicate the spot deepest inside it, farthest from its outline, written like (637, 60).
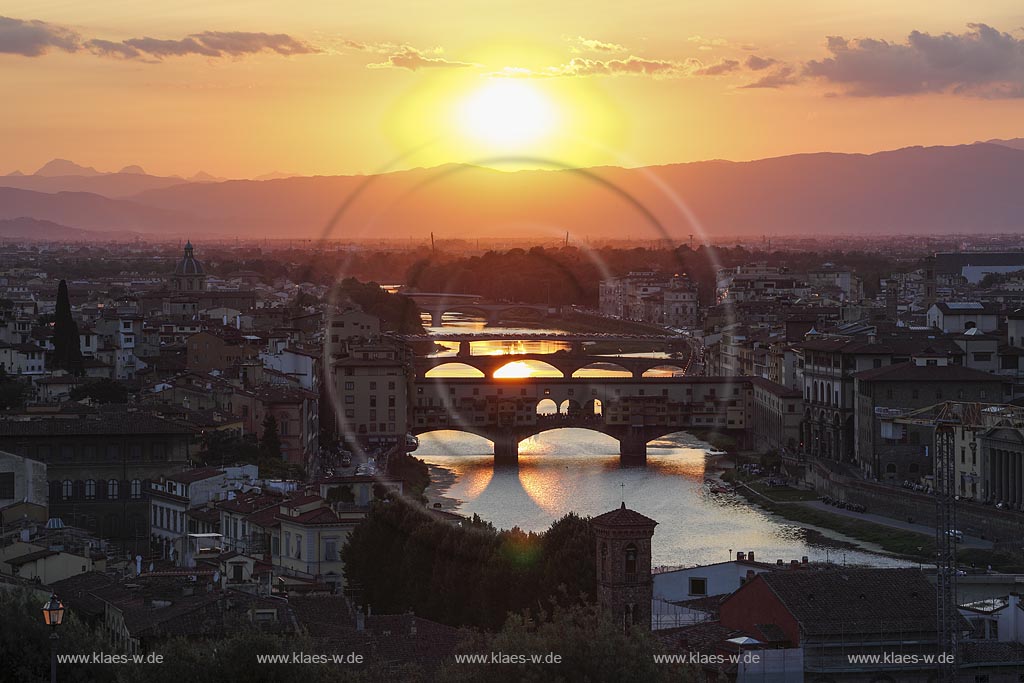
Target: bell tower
(624, 585)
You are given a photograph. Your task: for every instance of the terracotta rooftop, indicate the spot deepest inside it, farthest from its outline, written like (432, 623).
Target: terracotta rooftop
(623, 516)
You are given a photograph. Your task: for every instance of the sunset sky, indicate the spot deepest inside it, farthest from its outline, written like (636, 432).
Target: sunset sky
(240, 88)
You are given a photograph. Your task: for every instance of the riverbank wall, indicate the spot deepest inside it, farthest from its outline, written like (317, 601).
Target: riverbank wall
(1003, 527)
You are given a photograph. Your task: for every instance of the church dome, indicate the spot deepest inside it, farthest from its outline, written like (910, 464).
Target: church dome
(189, 264)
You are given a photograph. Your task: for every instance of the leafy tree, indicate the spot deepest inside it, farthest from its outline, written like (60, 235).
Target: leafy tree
(25, 642)
(589, 645)
(341, 494)
(270, 441)
(397, 313)
(12, 392)
(413, 472)
(67, 351)
(101, 391)
(468, 574)
(225, 448)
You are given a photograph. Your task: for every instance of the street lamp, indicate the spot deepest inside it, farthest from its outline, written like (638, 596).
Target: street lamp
(53, 615)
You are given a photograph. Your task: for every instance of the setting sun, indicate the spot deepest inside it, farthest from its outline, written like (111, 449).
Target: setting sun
(507, 113)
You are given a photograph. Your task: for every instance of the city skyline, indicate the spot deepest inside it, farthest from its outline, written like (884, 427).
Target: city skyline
(329, 90)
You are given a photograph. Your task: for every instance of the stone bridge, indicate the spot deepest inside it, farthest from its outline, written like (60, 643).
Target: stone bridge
(437, 304)
(633, 411)
(566, 363)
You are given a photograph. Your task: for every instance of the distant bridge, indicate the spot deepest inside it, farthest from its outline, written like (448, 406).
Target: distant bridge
(633, 411)
(439, 303)
(566, 363)
(568, 337)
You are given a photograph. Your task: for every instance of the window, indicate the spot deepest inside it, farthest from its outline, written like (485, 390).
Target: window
(330, 549)
(136, 490)
(90, 489)
(631, 562)
(113, 489)
(350, 386)
(67, 489)
(698, 586)
(298, 546)
(982, 357)
(915, 393)
(876, 363)
(6, 485)
(604, 559)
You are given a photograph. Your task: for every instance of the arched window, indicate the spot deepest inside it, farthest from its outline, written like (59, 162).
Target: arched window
(113, 489)
(604, 560)
(630, 562)
(890, 468)
(90, 489)
(136, 491)
(67, 489)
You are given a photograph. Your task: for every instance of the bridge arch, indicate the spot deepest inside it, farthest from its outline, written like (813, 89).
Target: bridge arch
(515, 369)
(454, 369)
(592, 370)
(664, 370)
(570, 407)
(546, 406)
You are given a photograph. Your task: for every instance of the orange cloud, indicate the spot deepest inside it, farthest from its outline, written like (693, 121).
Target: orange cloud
(412, 59)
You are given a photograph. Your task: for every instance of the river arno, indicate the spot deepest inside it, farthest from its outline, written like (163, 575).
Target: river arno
(574, 470)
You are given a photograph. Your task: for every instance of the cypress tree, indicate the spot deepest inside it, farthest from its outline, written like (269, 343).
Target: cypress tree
(67, 353)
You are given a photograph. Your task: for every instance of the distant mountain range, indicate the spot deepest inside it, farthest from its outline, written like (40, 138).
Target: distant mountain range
(61, 175)
(965, 188)
(35, 229)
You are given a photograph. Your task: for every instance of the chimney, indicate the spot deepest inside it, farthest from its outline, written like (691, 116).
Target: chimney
(360, 620)
(740, 556)
(750, 556)
(793, 564)
(779, 562)
(803, 559)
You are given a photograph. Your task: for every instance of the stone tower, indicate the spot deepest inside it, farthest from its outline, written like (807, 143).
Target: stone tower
(624, 585)
(189, 275)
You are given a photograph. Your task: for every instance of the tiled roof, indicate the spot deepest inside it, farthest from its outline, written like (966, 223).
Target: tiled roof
(911, 372)
(30, 557)
(116, 423)
(319, 516)
(854, 600)
(623, 516)
(386, 639)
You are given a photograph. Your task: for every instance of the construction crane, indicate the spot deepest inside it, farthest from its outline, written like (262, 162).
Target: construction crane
(944, 418)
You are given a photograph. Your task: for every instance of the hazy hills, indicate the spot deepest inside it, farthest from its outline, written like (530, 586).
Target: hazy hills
(35, 229)
(966, 188)
(90, 211)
